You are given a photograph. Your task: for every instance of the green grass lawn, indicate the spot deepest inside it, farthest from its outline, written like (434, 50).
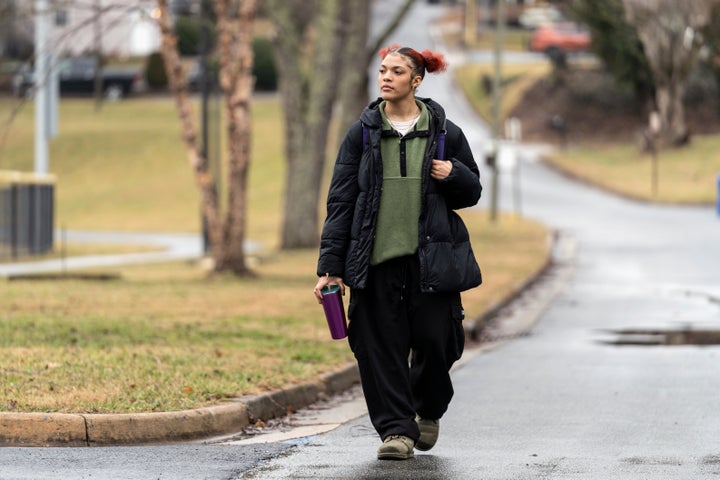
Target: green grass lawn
(516, 79)
(684, 175)
(166, 337)
(124, 167)
(121, 168)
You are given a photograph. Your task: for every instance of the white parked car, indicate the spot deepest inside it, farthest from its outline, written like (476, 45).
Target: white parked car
(535, 17)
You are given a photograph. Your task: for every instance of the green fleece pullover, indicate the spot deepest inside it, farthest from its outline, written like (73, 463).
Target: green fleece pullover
(397, 224)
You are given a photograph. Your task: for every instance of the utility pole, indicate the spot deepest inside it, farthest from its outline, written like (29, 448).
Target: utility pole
(46, 94)
(41, 87)
(97, 81)
(497, 100)
(470, 23)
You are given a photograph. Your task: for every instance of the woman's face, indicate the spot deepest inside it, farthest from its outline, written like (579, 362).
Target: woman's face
(395, 78)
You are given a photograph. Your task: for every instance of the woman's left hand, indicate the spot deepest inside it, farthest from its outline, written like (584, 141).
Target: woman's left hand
(440, 169)
(327, 280)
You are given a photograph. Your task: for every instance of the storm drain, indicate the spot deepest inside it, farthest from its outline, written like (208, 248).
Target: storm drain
(656, 337)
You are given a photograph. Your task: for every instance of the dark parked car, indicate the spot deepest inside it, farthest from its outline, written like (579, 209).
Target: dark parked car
(77, 77)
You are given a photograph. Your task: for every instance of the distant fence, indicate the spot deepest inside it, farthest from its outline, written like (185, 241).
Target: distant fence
(27, 209)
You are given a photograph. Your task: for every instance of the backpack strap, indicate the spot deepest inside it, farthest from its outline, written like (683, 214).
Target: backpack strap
(365, 136)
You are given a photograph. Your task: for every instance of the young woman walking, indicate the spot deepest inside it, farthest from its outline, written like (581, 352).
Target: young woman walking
(392, 236)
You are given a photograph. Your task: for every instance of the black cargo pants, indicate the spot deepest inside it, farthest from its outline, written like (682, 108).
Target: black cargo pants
(391, 322)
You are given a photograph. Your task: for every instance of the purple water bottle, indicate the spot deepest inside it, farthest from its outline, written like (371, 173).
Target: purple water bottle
(334, 311)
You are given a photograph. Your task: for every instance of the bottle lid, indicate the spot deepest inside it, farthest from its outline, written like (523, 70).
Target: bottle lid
(328, 289)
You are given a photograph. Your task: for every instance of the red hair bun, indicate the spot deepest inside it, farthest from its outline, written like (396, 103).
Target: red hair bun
(429, 61)
(434, 62)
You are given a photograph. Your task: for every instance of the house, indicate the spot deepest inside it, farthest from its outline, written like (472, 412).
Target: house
(120, 29)
(115, 28)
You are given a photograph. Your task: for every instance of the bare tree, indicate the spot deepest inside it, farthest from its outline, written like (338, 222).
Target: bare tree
(357, 57)
(235, 20)
(670, 34)
(308, 44)
(322, 49)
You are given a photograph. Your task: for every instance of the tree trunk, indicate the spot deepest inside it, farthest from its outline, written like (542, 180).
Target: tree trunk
(308, 96)
(353, 91)
(301, 222)
(235, 21)
(670, 104)
(235, 34)
(335, 35)
(355, 88)
(668, 31)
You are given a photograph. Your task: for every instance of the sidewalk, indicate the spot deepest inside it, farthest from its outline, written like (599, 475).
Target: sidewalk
(170, 247)
(228, 418)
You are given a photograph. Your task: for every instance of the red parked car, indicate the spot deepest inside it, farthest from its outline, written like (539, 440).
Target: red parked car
(555, 38)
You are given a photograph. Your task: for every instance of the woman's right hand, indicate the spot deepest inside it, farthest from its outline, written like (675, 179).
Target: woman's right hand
(327, 280)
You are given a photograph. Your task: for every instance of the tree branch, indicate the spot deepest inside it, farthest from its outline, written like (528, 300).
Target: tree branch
(389, 29)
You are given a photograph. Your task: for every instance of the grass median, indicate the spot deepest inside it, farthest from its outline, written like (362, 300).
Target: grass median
(686, 175)
(165, 337)
(476, 82)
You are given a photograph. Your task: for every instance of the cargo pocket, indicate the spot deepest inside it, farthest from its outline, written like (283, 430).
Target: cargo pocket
(458, 315)
(352, 327)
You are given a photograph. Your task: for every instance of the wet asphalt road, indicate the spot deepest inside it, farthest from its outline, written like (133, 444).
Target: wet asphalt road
(563, 402)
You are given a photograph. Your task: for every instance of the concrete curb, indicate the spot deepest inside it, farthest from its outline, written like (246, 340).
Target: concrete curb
(82, 430)
(474, 328)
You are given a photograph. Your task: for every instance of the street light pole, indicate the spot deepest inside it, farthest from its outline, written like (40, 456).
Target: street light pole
(41, 87)
(470, 23)
(497, 99)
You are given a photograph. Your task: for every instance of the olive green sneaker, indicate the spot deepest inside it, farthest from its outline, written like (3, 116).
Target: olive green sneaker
(396, 447)
(429, 431)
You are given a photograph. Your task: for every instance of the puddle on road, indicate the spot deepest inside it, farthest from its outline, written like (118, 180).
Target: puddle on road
(658, 337)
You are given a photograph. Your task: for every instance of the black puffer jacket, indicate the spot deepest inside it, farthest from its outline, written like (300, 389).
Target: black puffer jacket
(447, 262)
